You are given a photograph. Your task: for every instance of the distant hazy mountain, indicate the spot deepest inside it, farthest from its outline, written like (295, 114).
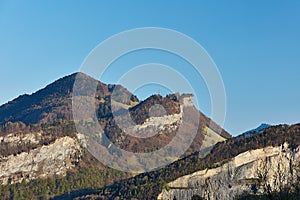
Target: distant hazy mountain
(258, 129)
(254, 131)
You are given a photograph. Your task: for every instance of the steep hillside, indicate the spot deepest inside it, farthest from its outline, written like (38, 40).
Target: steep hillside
(265, 171)
(42, 154)
(54, 102)
(273, 139)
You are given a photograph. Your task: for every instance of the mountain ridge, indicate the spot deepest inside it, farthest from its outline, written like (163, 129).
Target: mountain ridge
(32, 125)
(258, 129)
(31, 108)
(222, 153)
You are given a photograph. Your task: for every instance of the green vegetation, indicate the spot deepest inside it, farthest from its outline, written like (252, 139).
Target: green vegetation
(167, 187)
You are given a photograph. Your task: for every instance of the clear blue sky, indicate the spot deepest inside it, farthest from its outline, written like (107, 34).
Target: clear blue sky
(255, 44)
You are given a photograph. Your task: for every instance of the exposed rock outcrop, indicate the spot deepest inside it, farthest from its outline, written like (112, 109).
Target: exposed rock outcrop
(156, 125)
(48, 160)
(259, 171)
(15, 139)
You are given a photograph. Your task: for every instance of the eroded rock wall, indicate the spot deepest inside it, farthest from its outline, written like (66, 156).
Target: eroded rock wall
(47, 160)
(255, 172)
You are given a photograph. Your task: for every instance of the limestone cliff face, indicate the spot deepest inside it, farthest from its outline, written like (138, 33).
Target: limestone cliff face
(44, 161)
(167, 123)
(254, 172)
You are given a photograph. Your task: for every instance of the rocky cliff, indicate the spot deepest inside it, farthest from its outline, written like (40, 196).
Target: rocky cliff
(41, 149)
(260, 171)
(47, 160)
(263, 166)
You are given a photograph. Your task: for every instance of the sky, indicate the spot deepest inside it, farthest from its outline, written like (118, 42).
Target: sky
(255, 45)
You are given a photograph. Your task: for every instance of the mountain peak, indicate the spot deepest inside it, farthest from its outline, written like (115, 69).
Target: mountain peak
(54, 102)
(259, 128)
(255, 130)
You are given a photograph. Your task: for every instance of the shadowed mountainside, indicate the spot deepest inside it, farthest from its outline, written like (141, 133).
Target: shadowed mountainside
(54, 102)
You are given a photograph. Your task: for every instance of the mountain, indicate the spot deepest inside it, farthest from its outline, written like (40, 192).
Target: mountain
(254, 131)
(265, 166)
(42, 154)
(258, 129)
(54, 102)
